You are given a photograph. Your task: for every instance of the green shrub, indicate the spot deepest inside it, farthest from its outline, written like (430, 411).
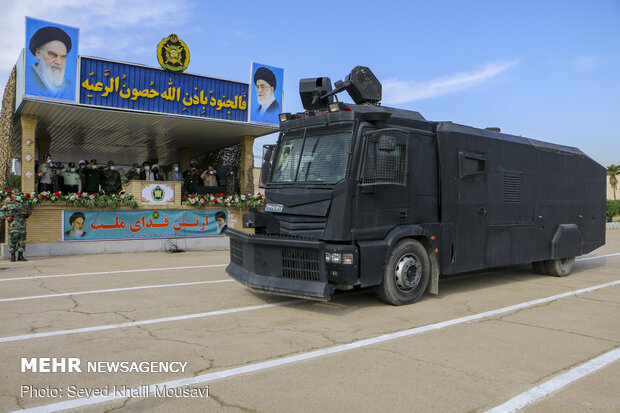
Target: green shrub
(613, 209)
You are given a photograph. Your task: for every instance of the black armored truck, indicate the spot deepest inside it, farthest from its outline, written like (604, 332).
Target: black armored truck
(360, 195)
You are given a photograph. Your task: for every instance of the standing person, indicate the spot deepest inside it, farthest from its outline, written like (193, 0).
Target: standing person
(82, 171)
(60, 182)
(186, 172)
(46, 174)
(229, 179)
(175, 174)
(111, 180)
(134, 173)
(192, 180)
(157, 174)
(15, 212)
(146, 174)
(208, 177)
(92, 178)
(73, 183)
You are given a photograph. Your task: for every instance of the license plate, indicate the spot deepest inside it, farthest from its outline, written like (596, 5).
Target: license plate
(273, 207)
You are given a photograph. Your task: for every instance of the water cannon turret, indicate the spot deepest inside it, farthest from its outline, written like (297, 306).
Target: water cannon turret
(362, 85)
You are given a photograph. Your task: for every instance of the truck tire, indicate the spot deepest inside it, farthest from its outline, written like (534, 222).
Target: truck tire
(560, 267)
(406, 274)
(539, 267)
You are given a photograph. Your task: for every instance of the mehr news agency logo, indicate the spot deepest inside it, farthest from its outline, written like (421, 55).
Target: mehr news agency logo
(173, 54)
(74, 365)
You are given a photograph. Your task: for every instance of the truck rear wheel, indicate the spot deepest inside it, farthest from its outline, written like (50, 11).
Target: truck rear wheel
(560, 267)
(406, 274)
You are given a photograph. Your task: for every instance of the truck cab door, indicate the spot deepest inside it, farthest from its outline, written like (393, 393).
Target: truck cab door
(381, 200)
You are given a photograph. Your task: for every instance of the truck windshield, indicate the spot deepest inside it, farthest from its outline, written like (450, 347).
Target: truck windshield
(318, 155)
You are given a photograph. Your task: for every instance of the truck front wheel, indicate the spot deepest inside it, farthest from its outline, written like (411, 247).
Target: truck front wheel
(406, 274)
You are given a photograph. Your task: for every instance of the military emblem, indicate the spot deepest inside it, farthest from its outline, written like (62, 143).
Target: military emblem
(173, 54)
(157, 193)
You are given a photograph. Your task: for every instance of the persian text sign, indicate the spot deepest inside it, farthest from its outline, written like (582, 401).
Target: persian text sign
(158, 194)
(89, 225)
(119, 85)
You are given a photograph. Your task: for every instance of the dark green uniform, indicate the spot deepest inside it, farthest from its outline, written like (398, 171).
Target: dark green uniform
(111, 181)
(92, 180)
(132, 176)
(192, 181)
(16, 212)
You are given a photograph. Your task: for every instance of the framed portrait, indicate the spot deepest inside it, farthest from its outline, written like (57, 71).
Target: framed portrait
(51, 60)
(266, 93)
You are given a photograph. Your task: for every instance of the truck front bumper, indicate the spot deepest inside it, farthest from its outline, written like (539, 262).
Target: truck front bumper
(279, 265)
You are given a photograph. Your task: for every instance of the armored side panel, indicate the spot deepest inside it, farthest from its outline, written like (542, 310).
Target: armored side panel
(506, 196)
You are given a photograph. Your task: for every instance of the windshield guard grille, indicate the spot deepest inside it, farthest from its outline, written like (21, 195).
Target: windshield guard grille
(318, 155)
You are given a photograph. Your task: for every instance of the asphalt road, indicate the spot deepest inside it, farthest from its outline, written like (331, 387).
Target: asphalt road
(502, 339)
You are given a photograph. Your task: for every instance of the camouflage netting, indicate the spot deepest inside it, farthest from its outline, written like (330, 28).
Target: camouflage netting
(229, 158)
(7, 125)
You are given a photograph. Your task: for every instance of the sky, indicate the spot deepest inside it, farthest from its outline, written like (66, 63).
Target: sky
(547, 70)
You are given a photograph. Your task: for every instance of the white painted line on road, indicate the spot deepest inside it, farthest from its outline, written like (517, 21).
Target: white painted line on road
(112, 272)
(557, 383)
(161, 320)
(597, 256)
(186, 267)
(111, 290)
(146, 322)
(250, 368)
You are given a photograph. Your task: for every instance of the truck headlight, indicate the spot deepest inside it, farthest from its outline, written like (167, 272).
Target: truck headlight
(346, 258)
(336, 258)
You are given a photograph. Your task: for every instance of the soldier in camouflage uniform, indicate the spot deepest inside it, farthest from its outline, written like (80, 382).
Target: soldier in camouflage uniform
(15, 212)
(134, 173)
(111, 180)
